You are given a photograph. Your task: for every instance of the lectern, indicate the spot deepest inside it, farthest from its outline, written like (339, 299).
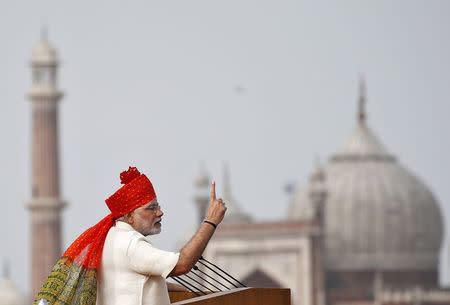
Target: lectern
(238, 296)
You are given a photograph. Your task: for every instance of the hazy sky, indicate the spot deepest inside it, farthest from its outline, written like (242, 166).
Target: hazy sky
(153, 84)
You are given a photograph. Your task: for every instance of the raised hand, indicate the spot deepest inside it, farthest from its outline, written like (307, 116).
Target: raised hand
(194, 248)
(216, 209)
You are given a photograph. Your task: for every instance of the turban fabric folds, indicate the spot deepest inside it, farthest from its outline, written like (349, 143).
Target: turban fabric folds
(73, 279)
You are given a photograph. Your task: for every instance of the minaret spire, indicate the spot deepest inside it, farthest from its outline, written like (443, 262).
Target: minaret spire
(362, 101)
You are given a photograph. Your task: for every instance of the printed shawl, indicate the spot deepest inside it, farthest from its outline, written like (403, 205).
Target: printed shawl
(73, 279)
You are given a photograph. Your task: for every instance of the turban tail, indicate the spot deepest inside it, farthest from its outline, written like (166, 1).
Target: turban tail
(73, 279)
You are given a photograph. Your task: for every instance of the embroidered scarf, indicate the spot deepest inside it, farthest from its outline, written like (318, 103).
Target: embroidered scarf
(73, 279)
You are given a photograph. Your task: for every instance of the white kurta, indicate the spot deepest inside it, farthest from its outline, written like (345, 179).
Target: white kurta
(132, 271)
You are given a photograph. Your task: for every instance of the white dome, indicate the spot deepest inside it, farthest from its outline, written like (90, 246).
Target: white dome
(9, 294)
(43, 53)
(377, 214)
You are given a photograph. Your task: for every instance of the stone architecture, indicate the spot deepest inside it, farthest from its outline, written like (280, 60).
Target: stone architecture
(9, 293)
(381, 220)
(364, 231)
(286, 253)
(45, 205)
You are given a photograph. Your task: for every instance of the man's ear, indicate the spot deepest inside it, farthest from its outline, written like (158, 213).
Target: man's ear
(130, 218)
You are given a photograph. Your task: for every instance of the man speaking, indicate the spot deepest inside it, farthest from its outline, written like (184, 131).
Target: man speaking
(113, 263)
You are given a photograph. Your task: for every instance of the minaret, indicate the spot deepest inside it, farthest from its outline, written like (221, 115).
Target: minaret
(318, 194)
(45, 204)
(202, 191)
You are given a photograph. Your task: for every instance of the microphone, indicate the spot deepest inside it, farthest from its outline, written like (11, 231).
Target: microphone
(214, 279)
(186, 285)
(187, 275)
(198, 287)
(223, 271)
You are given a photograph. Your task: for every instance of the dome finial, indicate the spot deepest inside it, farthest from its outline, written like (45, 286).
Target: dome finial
(362, 101)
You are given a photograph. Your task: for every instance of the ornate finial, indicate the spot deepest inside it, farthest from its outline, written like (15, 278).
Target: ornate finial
(362, 101)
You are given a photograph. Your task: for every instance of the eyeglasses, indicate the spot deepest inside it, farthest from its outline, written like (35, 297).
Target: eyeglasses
(154, 208)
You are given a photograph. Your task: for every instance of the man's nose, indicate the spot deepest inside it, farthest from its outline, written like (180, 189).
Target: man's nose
(160, 213)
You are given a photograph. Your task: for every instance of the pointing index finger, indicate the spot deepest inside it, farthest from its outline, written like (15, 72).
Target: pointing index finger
(213, 191)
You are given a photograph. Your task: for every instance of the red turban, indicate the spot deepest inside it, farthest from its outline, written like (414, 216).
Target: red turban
(137, 191)
(73, 278)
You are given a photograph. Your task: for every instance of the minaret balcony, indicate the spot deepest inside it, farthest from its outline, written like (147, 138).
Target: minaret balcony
(44, 92)
(45, 203)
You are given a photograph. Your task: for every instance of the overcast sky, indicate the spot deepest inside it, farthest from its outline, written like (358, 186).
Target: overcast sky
(264, 86)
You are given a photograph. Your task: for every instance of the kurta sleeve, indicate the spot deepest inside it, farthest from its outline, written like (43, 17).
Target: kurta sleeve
(146, 259)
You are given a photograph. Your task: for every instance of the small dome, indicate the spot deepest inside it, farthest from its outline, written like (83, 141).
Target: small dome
(316, 183)
(43, 53)
(9, 294)
(378, 215)
(202, 180)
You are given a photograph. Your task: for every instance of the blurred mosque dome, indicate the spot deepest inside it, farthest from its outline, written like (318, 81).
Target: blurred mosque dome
(378, 215)
(9, 293)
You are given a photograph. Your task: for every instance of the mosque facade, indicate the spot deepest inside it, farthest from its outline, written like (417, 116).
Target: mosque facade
(365, 230)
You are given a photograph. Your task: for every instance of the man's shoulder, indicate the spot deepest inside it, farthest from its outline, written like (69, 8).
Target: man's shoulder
(120, 241)
(122, 232)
